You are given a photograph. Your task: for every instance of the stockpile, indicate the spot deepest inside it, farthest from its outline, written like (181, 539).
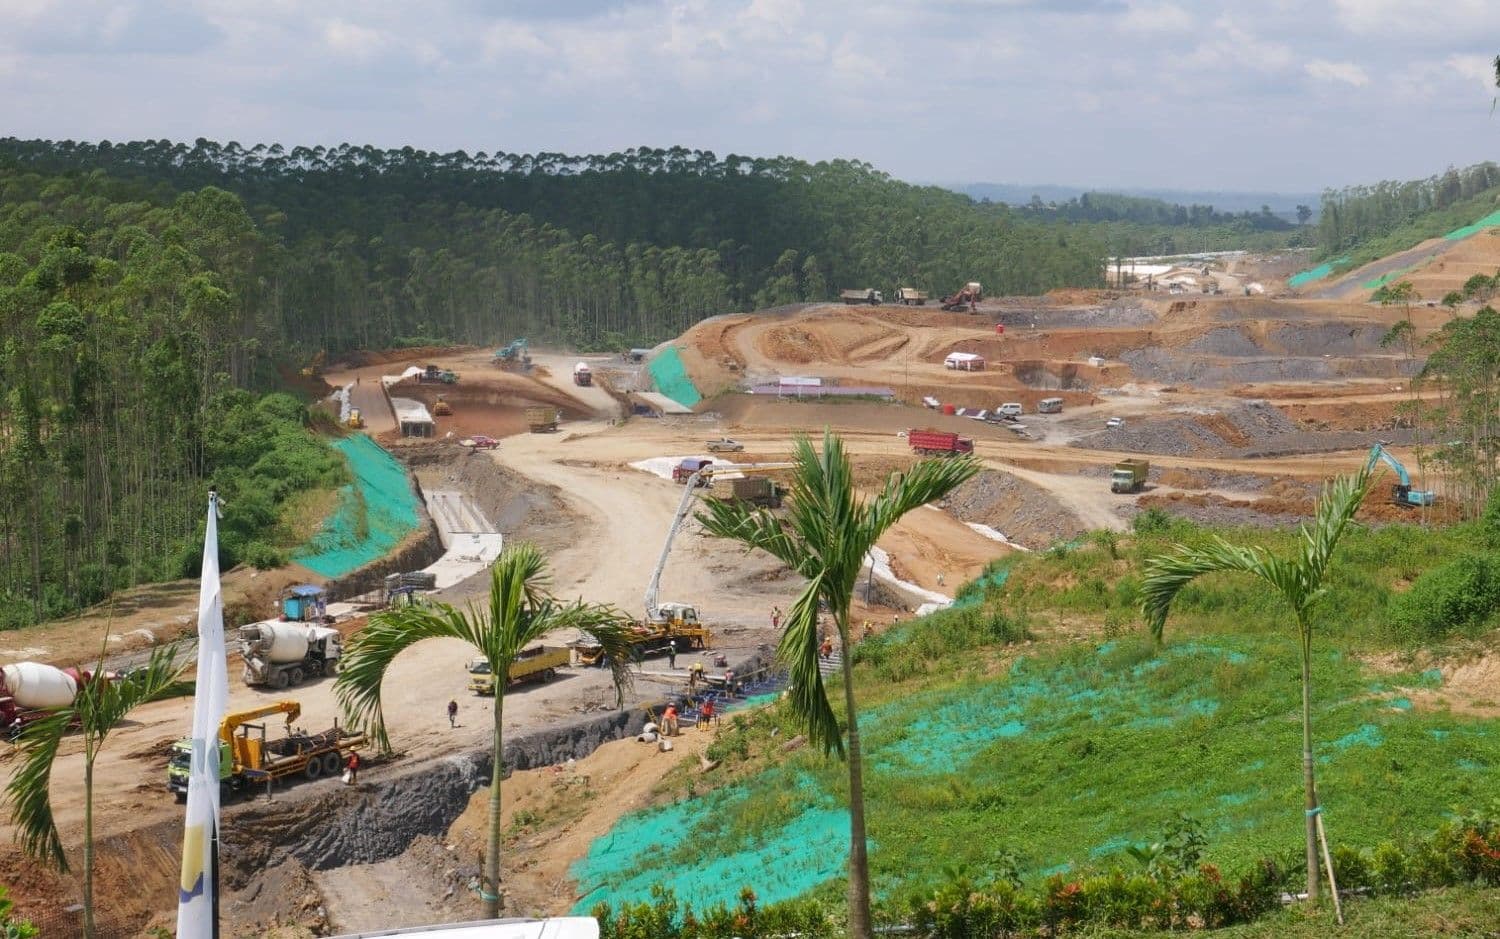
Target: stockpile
(1246, 426)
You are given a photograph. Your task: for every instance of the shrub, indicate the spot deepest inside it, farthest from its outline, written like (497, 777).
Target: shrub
(1460, 594)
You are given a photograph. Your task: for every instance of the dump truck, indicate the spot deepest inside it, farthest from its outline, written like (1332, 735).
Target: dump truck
(866, 295)
(756, 490)
(911, 296)
(1129, 475)
(247, 755)
(299, 644)
(938, 442)
(724, 445)
(433, 375)
(30, 690)
(543, 420)
(537, 663)
(583, 376)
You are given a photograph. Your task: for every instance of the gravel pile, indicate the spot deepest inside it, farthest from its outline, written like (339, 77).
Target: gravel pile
(1122, 312)
(1253, 426)
(1023, 513)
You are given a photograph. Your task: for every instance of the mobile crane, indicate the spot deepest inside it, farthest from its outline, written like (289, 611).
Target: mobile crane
(1401, 492)
(245, 758)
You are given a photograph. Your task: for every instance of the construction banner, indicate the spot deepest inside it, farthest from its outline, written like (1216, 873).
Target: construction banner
(196, 906)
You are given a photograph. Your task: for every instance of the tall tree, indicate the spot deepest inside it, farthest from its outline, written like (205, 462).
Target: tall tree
(519, 612)
(99, 706)
(826, 537)
(1297, 579)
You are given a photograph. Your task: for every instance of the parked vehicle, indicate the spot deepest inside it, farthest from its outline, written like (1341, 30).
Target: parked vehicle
(866, 295)
(29, 691)
(756, 490)
(1129, 475)
(938, 442)
(1010, 409)
(725, 445)
(480, 442)
(911, 296)
(434, 375)
(1049, 406)
(1114, 422)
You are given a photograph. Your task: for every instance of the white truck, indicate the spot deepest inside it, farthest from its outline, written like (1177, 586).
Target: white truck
(278, 655)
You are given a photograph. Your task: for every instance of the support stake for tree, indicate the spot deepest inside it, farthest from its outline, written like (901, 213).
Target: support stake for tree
(1333, 885)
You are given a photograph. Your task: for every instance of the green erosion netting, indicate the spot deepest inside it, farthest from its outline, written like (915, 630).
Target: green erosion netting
(1377, 282)
(672, 379)
(685, 846)
(1067, 759)
(1316, 273)
(1488, 221)
(374, 512)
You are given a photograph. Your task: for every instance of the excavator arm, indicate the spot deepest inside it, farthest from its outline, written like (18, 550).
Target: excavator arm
(292, 710)
(1379, 454)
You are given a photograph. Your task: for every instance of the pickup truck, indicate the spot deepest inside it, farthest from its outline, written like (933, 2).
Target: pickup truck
(725, 444)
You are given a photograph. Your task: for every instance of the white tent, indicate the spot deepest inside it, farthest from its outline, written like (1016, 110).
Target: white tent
(967, 361)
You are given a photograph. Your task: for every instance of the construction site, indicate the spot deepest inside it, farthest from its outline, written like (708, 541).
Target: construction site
(1227, 405)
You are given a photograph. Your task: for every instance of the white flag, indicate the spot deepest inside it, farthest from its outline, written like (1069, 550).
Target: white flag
(195, 897)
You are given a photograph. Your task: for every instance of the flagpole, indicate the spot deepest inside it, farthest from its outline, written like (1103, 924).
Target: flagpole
(214, 863)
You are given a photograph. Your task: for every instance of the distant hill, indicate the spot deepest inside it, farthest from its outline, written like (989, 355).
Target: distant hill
(1283, 204)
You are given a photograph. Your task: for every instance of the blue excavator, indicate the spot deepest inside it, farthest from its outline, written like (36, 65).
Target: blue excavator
(514, 357)
(1401, 491)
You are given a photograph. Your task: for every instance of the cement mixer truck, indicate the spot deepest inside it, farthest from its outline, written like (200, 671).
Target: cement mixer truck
(30, 690)
(582, 376)
(278, 655)
(298, 645)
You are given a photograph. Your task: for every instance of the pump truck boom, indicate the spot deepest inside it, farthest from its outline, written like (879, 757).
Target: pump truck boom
(1401, 492)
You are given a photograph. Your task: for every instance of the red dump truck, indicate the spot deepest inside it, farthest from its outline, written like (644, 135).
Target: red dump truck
(938, 443)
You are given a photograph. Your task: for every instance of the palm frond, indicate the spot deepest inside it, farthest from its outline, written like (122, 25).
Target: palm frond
(927, 481)
(607, 626)
(1337, 504)
(29, 791)
(798, 651)
(372, 649)
(753, 528)
(106, 703)
(1167, 574)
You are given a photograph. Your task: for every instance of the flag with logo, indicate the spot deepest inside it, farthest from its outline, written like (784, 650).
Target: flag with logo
(195, 897)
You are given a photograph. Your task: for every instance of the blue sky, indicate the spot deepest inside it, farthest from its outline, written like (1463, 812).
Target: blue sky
(1248, 95)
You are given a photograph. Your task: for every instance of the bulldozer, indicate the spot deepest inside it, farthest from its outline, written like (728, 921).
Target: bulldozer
(965, 299)
(356, 419)
(441, 407)
(314, 367)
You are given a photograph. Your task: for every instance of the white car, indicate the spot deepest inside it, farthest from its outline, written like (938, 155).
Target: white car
(1114, 422)
(1010, 409)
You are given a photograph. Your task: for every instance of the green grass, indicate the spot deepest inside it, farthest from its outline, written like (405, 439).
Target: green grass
(1433, 224)
(993, 742)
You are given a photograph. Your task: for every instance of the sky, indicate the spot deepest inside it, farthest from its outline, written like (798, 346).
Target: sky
(1263, 95)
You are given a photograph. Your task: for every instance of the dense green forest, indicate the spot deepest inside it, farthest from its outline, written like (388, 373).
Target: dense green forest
(1397, 215)
(126, 337)
(374, 245)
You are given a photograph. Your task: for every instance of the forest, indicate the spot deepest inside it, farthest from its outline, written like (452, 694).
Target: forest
(1360, 216)
(129, 346)
(371, 247)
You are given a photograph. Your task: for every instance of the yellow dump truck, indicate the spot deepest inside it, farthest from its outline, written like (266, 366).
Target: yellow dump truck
(537, 663)
(649, 638)
(542, 420)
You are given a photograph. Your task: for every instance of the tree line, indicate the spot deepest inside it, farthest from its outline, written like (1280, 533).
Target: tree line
(371, 245)
(1356, 214)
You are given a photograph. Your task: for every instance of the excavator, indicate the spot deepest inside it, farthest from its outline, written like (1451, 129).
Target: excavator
(314, 366)
(515, 357)
(245, 757)
(966, 299)
(1401, 491)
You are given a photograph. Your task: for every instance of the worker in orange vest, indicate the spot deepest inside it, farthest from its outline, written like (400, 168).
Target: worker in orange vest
(669, 721)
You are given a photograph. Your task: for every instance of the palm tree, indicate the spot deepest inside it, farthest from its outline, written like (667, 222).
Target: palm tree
(1299, 581)
(826, 536)
(519, 612)
(99, 706)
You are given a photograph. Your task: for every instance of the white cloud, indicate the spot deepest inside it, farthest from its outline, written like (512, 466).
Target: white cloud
(1398, 19)
(352, 39)
(1346, 72)
(1150, 18)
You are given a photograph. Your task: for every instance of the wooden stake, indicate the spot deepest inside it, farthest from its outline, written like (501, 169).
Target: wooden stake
(1333, 886)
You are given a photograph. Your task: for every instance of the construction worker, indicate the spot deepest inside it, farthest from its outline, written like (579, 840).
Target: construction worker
(775, 617)
(695, 676)
(351, 768)
(452, 713)
(706, 715)
(729, 681)
(672, 655)
(669, 721)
